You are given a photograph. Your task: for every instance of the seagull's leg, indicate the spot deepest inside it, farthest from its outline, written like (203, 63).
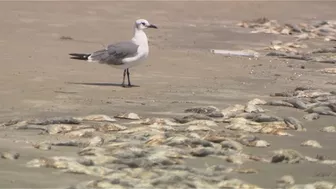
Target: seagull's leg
(123, 83)
(128, 77)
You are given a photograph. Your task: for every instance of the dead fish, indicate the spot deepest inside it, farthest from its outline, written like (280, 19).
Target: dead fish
(131, 116)
(31, 127)
(75, 143)
(304, 36)
(201, 142)
(133, 130)
(332, 106)
(10, 155)
(231, 144)
(329, 129)
(130, 153)
(92, 151)
(275, 128)
(101, 184)
(80, 132)
(156, 140)
(55, 120)
(97, 117)
(199, 128)
(311, 94)
(285, 181)
(231, 111)
(322, 110)
(215, 137)
(330, 99)
(294, 28)
(100, 160)
(252, 141)
(243, 124)
(163, 127)
(108, 127)
(202, 110)
(165, 157)
(261, 144)
(287, 156)
(257, 101)
(96, 141)
(75, 167)
(279, 103)
(236, 183)
(246, 171)
(324, 185)
(266, 118)
(251, 108)
(281, 94)
(293, 123)
(243, 115)
(42, 146)
(219, 168)
(194, 135)
(192, 117)
(59, 128)
(311, 143)
(247, 139)
(168, 180)
(328, 162)
(311, 116)
(236, 159)
(157, 121)
(178, 140)
(13, 122)
(285, 47)
(302, 186)
(297, 103)
(39, 162)
(202, 151)
(209, 123)
(217, 114)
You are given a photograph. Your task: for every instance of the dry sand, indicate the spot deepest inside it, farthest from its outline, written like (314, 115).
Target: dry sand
(38, 79)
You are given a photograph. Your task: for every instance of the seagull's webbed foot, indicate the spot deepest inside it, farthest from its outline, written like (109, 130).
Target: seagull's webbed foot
(127, 86)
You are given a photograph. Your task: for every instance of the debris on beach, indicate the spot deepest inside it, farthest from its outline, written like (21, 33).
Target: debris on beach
(312, 101)
(311, 143)
(311, 116)
(153, 152)
(289, 47)
(287, 156)
(99, 117)
(302, 31)
(132, 116)
(242, 53)
(328, 70)
(10, 155)
(42, 146)
(285, 181)
(329, 129)
(325, 30)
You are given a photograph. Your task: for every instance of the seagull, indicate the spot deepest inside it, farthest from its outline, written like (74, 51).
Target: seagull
(124, 54)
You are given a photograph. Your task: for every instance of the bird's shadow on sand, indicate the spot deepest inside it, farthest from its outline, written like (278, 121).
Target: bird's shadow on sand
(101, 84)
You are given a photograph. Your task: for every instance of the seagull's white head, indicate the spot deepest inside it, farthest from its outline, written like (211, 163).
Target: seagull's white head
(143, 24)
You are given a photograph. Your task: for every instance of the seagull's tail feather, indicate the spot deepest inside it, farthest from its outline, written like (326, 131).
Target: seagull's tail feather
(79, 56)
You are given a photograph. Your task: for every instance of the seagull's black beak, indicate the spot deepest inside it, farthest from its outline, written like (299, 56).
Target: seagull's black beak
(152, 26)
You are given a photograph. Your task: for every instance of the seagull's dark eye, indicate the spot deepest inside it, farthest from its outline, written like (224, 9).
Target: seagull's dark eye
(143, 23)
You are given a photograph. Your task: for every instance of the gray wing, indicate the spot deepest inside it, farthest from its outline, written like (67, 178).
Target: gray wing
(114, 53)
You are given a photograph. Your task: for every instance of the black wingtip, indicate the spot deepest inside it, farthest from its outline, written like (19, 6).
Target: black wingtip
(79, 56)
